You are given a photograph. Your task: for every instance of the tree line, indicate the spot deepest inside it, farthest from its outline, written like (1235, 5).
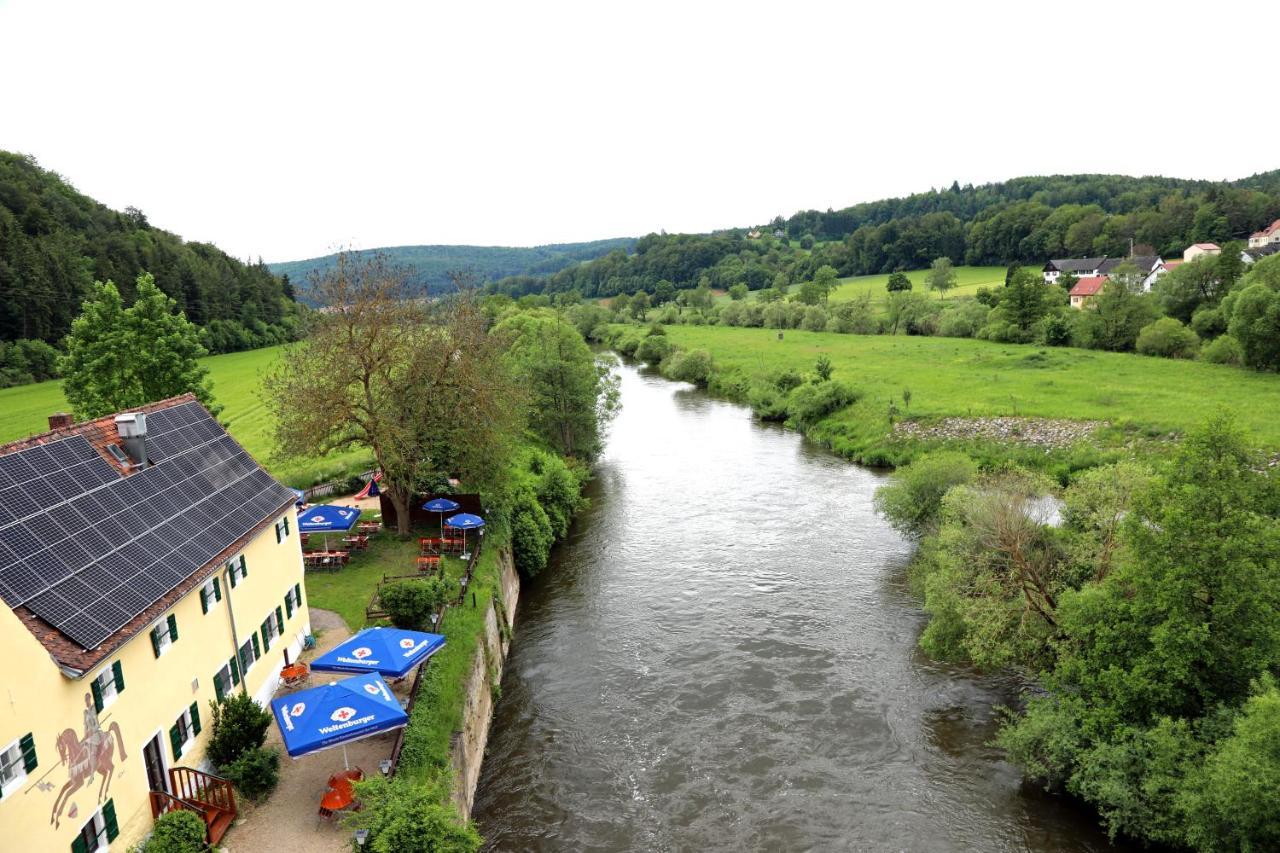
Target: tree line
(1025, 220)
(55, 242)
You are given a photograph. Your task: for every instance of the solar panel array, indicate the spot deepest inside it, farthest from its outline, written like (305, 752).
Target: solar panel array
(87, 549)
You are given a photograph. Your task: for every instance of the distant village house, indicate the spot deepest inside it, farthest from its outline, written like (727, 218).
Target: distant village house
(1268, 236)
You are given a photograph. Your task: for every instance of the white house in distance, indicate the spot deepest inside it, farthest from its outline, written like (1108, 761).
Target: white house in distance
(1266, 237)
(1103, 266)
(1195, 250)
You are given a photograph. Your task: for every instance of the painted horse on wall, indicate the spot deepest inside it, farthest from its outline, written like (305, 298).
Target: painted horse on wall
(86, 756)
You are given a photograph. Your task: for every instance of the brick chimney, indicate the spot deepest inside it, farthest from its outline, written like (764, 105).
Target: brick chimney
(60, 420)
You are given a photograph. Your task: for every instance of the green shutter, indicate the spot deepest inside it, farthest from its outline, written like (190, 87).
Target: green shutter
(286, 525)
(235, 669)
(280, 622)
(297, 594)
(155, 642)
(173, 628)
(218, 691)
(195, 718)
(279, 538)
(77, 846)
(118, 673)
(175, 741)
(244, 570)
(231, 571)
(266, 638)
(109, 819)
(204, 600)
(217, 590)
(288, 606)
(27, 744)
(257, 651)
(97, 695)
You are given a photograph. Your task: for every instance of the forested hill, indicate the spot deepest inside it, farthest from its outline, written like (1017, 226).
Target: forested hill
(430, 266)
(54, 242)
(1025, 220)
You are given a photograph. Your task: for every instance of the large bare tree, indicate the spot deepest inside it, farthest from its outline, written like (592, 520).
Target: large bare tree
(419, 382)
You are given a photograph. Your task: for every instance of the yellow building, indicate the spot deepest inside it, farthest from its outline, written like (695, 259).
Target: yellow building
(149, 566)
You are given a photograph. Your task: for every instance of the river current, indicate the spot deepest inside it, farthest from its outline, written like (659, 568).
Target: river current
(724, 657)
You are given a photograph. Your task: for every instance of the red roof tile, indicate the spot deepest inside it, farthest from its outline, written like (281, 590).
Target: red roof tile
(1089, 286)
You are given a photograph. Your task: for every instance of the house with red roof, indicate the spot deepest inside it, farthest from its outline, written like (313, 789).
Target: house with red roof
(1265, 237)
(1086, 289)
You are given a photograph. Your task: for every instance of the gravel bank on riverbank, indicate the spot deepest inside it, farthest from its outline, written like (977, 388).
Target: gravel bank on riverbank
(1048, 433)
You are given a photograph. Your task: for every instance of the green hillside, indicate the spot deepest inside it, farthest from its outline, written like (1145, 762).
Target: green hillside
(429, 267)
(55, 242)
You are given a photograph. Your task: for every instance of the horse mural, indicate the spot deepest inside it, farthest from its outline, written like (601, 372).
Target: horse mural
(86, 756)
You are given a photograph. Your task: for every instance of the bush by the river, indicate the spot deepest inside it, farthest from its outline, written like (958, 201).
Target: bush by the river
(403, 816)
(692, 366)
(912, 501)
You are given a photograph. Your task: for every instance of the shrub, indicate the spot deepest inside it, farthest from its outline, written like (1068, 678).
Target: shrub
(653, 349)
(733, 314)
(410, 603)
(405, 816)
(1003, 332)
(767, 402)
(531, 535)
(1167, 338)
(669, 316)
(776, 315)
(176, 832)
(255, 773)
(788, 379)
(628, 343)
(808, 404)
(814, 320)
(912, 501)
(1209, 322)
(1223, 350)
(692, 366)
(239, 725)
(1055, 331)
(806, 242)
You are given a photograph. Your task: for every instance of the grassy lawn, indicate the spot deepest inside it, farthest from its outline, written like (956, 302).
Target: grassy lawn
(957, 376)
(968, 280)
(438, 712)
(237, 379)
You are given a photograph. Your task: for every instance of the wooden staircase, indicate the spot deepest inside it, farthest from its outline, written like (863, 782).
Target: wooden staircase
(211, 797)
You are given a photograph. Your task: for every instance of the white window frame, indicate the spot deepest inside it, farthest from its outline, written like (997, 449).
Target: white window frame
(294, 599)
(246, 646)
(183, 722)
(223, 675)
(19, 766)
(234, 573)
(163, 641)
(107, 689)
(211, 600)
(277, 628)
(100, 830)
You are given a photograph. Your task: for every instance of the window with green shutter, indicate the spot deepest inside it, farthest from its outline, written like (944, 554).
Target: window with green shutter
(244, 569)
(117, 672)
(109, 818)
(173, 628)
(266, 635)
(257, 650)
(297, 594)
(219, 692)
(204, 601)
(175, 741)
(195, 718)
(217, 590)
(155, 641)
(27, 744)
(279, 623)
(288, 606)
(235, 671)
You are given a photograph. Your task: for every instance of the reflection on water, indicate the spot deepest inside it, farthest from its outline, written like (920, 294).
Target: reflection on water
(723, 657)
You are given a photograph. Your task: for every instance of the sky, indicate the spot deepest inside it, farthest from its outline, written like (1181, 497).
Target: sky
(288, 130)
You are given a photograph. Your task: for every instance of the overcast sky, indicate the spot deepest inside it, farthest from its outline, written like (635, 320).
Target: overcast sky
(286, 130)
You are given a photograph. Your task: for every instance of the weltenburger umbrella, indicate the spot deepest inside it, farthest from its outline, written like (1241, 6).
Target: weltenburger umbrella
(336, 714)
(464, 521)
(387, 651)
(440, 506)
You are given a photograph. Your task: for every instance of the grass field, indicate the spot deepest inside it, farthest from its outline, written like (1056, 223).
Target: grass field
(237, 381)
(957, 376)
(968, 280)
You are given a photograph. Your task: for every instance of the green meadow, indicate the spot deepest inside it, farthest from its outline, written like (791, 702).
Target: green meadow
(960, 376)
(968, 280)
(237, 385)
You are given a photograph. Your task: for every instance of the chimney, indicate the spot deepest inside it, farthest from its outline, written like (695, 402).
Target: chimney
(133, 435)
(60, 420)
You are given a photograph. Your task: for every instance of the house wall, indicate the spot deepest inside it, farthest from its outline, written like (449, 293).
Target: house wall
(36, 698)
(1193, 252)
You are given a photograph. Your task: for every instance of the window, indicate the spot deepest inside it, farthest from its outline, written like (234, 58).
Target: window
(16, 761)
(292, 600)
(272, 627)
(107, 686)
(282, 529)
(164, 634)
(184, 730)
(237, 570)
(225, 680)
(210, 594)
(249, 653)
(99, 831)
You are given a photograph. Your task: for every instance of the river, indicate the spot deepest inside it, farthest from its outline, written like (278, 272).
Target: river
(723, 657)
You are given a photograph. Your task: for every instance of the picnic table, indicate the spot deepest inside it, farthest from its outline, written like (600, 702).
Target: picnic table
(340, 794)
(429, 563)
(325, 559)
(367, 527)
(295, 673)
(439, 544)
(356, 543)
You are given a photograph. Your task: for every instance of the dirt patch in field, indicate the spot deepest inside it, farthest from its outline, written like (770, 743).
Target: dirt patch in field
(1037, 432)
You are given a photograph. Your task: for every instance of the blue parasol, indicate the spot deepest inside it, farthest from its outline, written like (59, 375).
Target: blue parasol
(464, 521)
(336, 714)
(388, 651)
(326, 519)
(441, 506)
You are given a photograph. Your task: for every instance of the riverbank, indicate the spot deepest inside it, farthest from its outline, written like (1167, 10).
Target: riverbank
(1137, 402)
